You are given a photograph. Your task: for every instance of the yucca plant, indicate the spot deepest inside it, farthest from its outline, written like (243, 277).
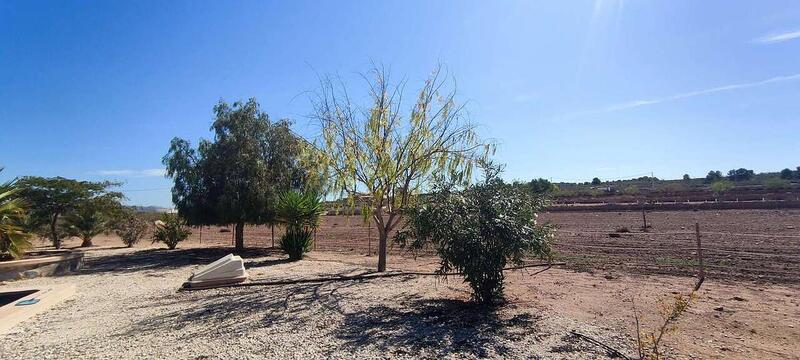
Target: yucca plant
(300, 212)
(13, 236)
(170, 230)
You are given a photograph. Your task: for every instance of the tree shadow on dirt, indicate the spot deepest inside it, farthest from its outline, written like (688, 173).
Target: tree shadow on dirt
(162, 259)
(437, 328)
(285, 308)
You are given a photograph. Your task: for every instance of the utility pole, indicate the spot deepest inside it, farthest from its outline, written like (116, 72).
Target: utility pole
(652, 181)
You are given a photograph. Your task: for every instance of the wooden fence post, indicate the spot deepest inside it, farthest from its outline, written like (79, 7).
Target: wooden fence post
(644, 219)
(701, 272)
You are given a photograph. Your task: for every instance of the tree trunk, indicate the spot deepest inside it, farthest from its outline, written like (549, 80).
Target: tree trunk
(273, 235)
(87, 242)
(382, 240)
(53, 233)
(239, 230)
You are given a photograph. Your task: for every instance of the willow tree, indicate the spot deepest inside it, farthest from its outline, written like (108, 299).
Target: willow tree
(236, 177)
(384, 157)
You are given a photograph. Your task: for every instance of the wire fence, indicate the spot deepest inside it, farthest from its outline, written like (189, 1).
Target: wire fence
(725, 255)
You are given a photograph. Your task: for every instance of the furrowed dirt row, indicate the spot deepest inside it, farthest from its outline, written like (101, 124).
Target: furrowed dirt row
(737, 244)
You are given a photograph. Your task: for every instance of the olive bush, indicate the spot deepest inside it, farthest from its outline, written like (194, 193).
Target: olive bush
(478, 230)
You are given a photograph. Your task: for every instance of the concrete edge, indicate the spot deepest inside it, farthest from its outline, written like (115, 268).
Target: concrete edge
(11, 315)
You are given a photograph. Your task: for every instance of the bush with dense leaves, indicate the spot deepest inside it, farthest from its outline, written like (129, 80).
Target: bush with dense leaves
(170, 230)
(477, 231)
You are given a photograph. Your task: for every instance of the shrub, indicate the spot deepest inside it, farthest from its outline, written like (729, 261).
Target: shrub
(130, 228)
(721, 186)
(648, 342)
(170, 230)
(776, 183)
(478, 230)
(787, 174)
(300, 212)
(542, 186)
(631, 190)
(673, 187)
(596, 181)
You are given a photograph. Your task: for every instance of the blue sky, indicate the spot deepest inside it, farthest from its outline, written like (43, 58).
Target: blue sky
(571, 89)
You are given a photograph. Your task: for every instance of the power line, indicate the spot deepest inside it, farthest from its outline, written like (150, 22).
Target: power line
(153, 189)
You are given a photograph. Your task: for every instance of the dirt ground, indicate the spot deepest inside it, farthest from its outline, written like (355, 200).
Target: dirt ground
(127, 306)
(406, 317)
(727, 320)
(762, 245)
(749, 305)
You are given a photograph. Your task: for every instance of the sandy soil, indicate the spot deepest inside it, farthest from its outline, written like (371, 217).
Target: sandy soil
(127, 306)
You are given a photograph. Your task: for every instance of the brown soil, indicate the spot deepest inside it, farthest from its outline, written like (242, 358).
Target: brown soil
(759, 245)
(748, 307)
(726, 320)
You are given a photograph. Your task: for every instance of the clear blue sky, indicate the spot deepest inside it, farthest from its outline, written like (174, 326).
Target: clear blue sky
(572, 89)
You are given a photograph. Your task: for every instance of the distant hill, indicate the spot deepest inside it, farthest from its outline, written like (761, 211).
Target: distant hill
(157, 209)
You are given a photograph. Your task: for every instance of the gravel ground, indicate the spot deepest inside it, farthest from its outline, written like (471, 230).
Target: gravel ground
(126, 306)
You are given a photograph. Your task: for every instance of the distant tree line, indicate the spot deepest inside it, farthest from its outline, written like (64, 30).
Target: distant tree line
(788, 174)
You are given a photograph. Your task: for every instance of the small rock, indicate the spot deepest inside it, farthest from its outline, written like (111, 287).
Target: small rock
(718, 308)
(737, 298)
(30, 274)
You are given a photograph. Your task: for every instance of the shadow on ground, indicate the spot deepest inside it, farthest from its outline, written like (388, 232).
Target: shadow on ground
(375, 314)
(289, 308)
(163, 259)
(436, 327)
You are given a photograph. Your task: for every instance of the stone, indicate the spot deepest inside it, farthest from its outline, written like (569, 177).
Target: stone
(30, 274)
